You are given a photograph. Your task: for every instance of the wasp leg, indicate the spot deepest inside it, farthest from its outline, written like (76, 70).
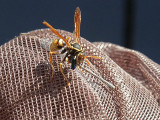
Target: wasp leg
(80, 68)
(50, 58)
(68, 83)
(92, 57)
(67, 60)
(87, 61)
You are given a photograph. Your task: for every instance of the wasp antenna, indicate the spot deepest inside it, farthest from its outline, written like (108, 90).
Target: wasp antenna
(56, 32)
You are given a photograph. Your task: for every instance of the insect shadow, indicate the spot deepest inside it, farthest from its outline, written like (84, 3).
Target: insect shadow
(42, 84)
(43, 73)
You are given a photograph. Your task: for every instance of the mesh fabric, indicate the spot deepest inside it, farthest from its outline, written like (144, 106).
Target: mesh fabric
(27, 91)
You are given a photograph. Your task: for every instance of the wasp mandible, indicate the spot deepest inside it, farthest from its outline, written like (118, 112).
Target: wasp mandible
(74, 52)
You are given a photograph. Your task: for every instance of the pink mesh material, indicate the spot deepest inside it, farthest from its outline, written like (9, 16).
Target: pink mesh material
(26, 91)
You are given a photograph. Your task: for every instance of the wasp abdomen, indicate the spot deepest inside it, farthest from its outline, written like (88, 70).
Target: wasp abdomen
(54, 45)
(57, 44)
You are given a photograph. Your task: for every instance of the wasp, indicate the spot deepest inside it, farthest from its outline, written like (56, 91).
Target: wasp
(74, 52)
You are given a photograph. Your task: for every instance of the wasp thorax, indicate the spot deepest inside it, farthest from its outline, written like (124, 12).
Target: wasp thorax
(76, 46)
(61, 43)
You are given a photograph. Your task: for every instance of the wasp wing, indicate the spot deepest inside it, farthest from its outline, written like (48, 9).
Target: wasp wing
(45, 43)
(77, 22)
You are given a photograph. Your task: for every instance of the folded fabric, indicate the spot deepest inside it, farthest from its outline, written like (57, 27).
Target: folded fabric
(28, 92)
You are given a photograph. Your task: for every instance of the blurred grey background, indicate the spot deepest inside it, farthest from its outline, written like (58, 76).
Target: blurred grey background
(130, 23)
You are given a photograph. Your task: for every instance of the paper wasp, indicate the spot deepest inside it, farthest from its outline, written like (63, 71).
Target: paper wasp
(74, 52)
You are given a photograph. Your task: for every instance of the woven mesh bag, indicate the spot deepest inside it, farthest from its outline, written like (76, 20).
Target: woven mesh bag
(28, 92)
